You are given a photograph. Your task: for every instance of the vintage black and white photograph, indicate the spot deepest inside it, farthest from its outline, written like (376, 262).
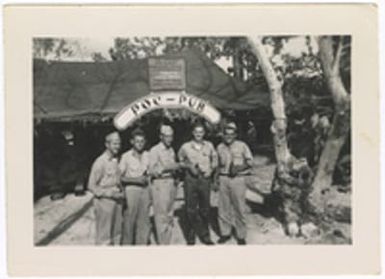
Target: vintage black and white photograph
(187, 140)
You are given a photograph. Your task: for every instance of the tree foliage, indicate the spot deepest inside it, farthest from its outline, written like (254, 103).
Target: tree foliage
(53, 48)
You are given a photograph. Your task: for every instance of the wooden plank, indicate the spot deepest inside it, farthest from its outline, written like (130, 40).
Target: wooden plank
(64, 225)
(51, 218)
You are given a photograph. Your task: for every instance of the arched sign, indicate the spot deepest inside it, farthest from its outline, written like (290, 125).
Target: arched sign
(165, 100)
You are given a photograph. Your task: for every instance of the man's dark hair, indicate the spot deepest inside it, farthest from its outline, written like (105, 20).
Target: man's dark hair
(137, 133)
(164, 123)
(198, 124)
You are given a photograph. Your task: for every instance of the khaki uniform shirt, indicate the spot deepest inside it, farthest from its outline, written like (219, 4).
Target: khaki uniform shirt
(203, 155)
(104, 175)
(160, 158)
(133, 164)
(238, 153)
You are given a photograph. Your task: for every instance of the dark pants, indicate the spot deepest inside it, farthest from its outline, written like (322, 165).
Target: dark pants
(197, 198)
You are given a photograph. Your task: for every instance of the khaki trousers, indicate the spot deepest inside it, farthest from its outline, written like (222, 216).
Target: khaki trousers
(108, 219)
(232, 205)
(163, 196)
(136, 219)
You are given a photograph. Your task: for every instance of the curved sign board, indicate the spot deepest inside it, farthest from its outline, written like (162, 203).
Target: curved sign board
(165, 100)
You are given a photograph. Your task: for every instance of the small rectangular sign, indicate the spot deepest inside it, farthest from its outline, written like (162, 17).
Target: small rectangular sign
(167, 74)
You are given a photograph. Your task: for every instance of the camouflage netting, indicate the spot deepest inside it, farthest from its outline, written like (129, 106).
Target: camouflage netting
(83, 90)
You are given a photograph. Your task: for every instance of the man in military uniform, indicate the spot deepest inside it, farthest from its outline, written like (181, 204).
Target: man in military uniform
(200, 159)
(104, 182)
(134, 167)
(235, 161)
(162, 168)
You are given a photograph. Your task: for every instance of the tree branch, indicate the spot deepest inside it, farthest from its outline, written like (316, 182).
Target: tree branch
(279, 124)
(337, 58)
(275, 86)
(330, 68)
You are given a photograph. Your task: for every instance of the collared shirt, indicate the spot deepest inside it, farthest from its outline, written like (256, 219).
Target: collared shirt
(203, 155)
(104, 173)
(161, 157)
(133, 164)
(238, 153)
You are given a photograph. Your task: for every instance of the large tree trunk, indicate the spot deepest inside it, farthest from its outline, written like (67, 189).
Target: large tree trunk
(338, 133)
(279, 124)
(290, 204)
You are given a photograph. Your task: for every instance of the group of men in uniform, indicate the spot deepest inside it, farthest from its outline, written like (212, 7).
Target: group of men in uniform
(125, 187)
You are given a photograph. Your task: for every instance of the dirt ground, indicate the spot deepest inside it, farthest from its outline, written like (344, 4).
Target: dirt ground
(70, 221)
